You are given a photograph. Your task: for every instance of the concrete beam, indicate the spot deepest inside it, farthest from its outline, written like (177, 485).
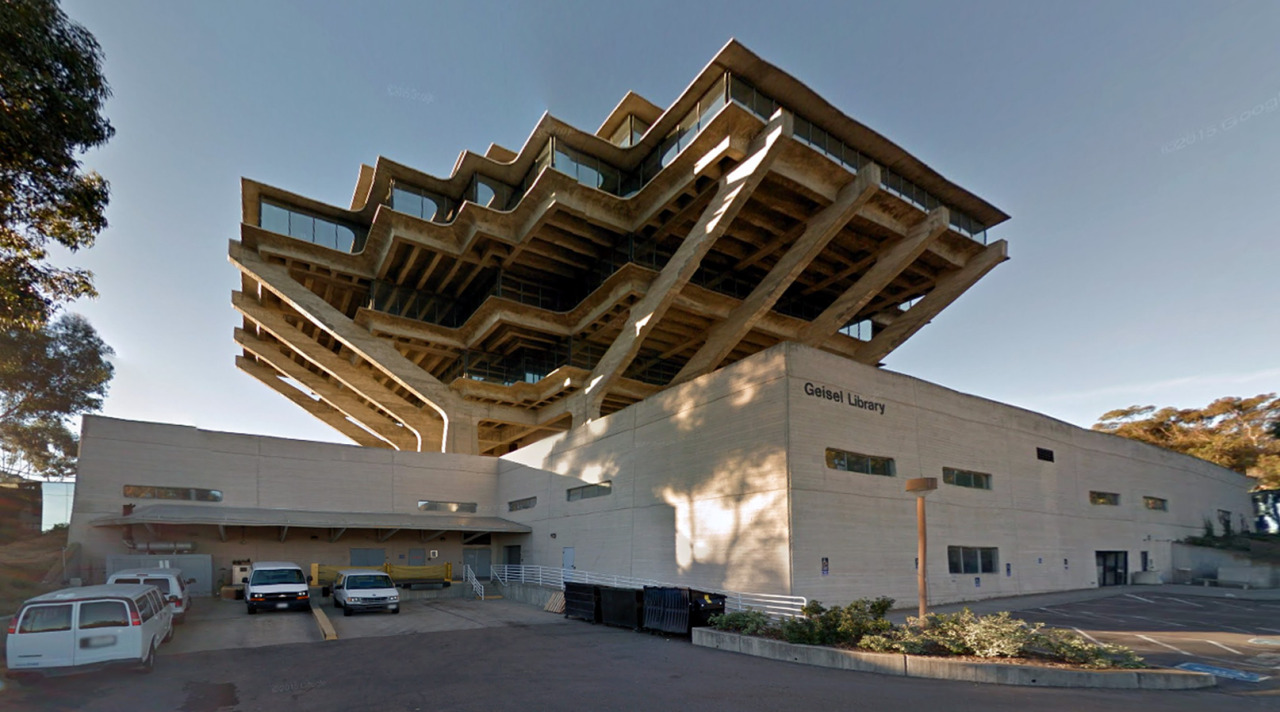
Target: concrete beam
(890, 263)
(335, 535)
(322, 410)
(948, 289)
(377, 352)
(378, 426)
(358, 381)
(821, 228)
(732, 193)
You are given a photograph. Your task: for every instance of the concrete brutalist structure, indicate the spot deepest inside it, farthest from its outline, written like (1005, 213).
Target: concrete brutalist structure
(533, 291)
(651, 351)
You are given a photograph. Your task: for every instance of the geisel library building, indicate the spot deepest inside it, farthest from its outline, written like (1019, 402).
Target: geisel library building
(654, 351)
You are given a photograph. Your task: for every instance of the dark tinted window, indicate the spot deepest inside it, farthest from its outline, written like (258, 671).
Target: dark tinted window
(103, 614)
(160, 583)
(264, 577)
(46, 619)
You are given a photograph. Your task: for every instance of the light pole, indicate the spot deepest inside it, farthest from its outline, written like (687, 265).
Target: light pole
(921, 486)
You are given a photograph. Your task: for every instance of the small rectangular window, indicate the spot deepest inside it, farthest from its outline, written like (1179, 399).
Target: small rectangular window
(1108, 498)
(966, 478)
(46, 619)
(857, 462)
(435, 505)
(1044, 453)
(972, 559)
(516, 505)
(1156, 503)
(183, 493)
(573, 494)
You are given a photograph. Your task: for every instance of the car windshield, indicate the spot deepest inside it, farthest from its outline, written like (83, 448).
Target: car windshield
(270, 576)
(366, 582)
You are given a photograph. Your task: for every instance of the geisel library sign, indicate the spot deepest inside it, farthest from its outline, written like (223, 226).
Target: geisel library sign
(834, 395)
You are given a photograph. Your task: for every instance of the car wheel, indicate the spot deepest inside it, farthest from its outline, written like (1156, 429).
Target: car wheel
(346, 610)
(149, 662)
(337, 603)
(252, 610)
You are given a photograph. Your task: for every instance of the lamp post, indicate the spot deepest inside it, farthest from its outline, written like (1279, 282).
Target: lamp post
(921, 486)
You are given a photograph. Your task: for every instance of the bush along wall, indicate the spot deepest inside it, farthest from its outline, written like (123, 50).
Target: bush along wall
(862, 625)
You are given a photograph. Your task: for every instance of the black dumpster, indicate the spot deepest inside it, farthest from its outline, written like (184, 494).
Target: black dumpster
(678, 610)
(622, 607)
(582, 600)
(702, 606)
(666, 609)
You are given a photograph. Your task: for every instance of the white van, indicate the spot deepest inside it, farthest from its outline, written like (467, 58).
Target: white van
(276, 585)
(365, 590)
(87, 628)
(170, 582)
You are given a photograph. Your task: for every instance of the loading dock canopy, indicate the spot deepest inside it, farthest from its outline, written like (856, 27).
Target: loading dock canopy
(256, 517)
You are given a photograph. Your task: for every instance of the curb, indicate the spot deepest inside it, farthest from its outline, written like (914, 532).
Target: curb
(946, 669)
(322, 620)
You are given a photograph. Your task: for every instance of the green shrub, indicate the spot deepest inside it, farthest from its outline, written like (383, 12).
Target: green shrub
(745, 622)
(819, 625)
(1071, 648)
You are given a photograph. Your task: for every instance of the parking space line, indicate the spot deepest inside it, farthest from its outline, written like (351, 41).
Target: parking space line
(1165, 645)
(1059, 613)
(1161, 621)
(1092, 639)
(1220, 645)
(1233, 605)
(1140, 598)
(1189, 603)
(1270, 630)
(1231, 627)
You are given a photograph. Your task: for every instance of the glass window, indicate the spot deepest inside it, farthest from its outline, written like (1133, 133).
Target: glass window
(972, 560)
(434, 505)
(160, 583)
(346, 239)
(406, 202)
(519, 504)
(103, 614)
(965, 478)
(484, 193)
(1105, 498)
(1156, 503)
(857, 462)
(326, 234)
(45, 619)
(147, 606)
(266, 577)
(274, 218)
(302, 226)
(573, 494)
(185, 493)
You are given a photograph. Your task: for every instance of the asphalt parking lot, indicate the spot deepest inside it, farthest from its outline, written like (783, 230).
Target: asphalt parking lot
(500, 654)
(1170, 629)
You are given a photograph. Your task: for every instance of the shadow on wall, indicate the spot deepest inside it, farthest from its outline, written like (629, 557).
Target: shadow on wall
(705, 466)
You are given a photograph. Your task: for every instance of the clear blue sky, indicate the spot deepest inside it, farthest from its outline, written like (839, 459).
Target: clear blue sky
(1142, 271)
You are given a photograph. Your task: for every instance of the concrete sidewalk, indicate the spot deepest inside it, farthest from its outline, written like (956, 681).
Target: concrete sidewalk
(1040, 600)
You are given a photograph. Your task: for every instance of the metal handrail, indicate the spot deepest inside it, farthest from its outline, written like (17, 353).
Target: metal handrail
(469, 576)
(774, 605)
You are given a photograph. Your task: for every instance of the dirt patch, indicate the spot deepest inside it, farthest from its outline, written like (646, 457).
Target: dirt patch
(24, 563)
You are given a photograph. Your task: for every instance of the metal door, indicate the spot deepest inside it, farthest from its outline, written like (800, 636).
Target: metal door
(417, 557)
(103, 632)
(368, 557)
(511, 555)
(566, 558)
(1113, 568)
(479, 560)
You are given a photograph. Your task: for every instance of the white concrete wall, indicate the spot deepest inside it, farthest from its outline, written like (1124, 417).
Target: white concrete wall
(269, 473)
(699, 485)
(1037, 513)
